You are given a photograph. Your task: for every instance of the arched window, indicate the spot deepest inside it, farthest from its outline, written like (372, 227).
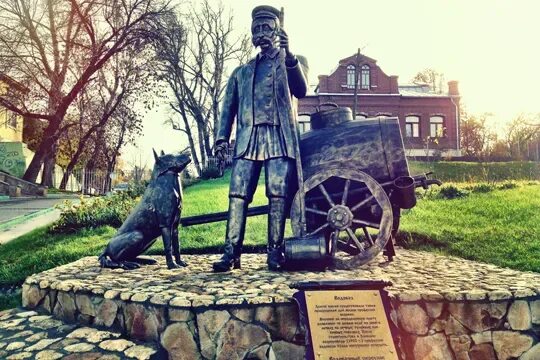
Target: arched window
(364, 77)
(436, 126)
(350, 76)
(412, 126)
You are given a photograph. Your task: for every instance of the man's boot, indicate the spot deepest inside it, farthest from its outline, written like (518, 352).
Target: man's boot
(236, 226)
(276, 229)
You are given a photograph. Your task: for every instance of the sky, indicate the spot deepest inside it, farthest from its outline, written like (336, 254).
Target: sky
(489, 46)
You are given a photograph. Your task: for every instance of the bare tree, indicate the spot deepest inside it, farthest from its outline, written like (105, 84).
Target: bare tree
(194, 53)
(56, 47)
(122, 83)
(430, 77)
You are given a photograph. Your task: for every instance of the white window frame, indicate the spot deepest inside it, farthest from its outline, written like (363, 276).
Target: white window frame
(412, 126)
(365, 81)
(436, 126)
(351, 74)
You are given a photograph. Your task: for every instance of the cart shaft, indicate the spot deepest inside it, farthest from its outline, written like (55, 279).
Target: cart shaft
(220, 216)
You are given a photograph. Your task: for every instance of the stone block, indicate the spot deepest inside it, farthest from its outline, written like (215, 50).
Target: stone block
(434, 309)
(460, 346)
(510, 344)
(281, 320)
(144, 322)
(32, 296)
(482, 352)
(454, 327)
(238, 339)
(413, 319)
(535, 312)
(209, 325)
(482, 337)
(106, 313)
(531, 354)
(519, 315)
(285, 350)
(179, 342)
(479, 317)
(243, 314)
(180, 315)
(65, 307)
(85, 305)
(432, 347)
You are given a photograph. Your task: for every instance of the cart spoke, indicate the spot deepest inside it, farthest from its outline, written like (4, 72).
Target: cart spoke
(326, 196)
(368, 235)
(316, 211)
(345, 192)
(362, 203)
(322, 227)
(355, 239)
(366, 223)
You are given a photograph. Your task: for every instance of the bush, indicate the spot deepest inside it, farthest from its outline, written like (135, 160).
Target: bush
(507, 185)
(452, 192)
(481, 188)
(210, 172)
(92, 213)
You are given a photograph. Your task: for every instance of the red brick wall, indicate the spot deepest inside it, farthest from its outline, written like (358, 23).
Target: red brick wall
(383, 98)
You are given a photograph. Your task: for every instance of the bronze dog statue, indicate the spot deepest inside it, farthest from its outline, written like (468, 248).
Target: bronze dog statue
(158, 213)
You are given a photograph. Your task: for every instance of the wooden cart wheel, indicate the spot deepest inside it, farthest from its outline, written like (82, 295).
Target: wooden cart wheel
(351, 209)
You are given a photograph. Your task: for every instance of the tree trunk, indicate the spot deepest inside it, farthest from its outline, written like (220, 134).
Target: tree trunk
(47, 177)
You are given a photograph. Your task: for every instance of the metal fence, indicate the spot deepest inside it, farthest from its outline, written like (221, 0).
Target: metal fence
(85, 181)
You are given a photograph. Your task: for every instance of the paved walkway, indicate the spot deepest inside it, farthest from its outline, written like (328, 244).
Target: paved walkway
(28, 335)
(20, 216)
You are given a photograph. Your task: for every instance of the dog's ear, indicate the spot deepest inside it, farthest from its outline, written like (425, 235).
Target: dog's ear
(156, 157)
(162, 153)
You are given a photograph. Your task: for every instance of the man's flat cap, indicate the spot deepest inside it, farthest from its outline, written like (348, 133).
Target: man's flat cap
(265, 11)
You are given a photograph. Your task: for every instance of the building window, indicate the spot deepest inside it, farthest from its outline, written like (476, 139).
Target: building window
(303, 123)
(412, 126)
(364, 77)
(350, 76)
(436, 128)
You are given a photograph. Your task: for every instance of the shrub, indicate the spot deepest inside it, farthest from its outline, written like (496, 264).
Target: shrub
(481, 188)
(210, 172)
(452, 192)
(91, 213)
(507, 185)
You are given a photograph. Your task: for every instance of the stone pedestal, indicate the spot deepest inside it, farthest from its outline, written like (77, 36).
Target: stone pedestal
(445, 308)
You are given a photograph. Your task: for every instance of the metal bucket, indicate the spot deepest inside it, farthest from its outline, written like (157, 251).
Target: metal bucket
(403, 194)
(309, 252)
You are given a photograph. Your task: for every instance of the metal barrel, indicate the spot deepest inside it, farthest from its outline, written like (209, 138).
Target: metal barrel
(306, 252)
(374, 146)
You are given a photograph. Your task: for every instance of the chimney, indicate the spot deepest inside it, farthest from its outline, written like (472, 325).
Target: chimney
(323, 83)
(394, 84)
(453, 88)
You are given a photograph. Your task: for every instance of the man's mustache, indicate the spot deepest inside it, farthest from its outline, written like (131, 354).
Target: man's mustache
(262, 40)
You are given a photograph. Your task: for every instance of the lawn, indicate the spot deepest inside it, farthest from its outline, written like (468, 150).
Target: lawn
(494, 225)
(459, 171)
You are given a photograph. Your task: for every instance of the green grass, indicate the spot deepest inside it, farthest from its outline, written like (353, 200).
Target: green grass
(501, 227)
(498, 224)
(458, 171)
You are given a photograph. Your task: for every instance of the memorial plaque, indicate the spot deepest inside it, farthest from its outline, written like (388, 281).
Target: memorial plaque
(347, 320)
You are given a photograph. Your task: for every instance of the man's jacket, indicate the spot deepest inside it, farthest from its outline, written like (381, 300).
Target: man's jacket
(238, 102)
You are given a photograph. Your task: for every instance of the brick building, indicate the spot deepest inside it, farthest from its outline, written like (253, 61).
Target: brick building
(425, 116)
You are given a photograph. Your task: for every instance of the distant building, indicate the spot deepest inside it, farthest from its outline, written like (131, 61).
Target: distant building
(13, 151)
(425, 116)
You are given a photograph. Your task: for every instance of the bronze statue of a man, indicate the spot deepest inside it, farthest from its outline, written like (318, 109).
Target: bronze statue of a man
(259, 95)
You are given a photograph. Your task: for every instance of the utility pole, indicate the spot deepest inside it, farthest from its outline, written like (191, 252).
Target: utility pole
(357, 65)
